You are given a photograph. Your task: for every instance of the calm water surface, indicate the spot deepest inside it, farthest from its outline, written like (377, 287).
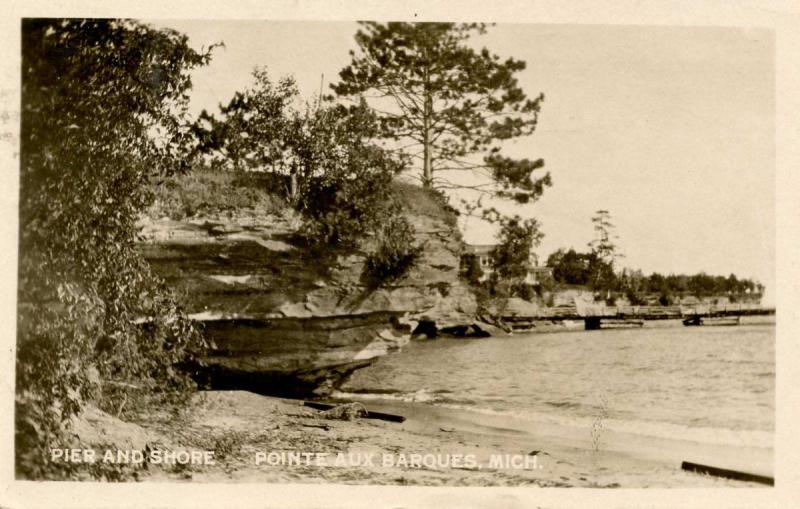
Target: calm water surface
(710, 384)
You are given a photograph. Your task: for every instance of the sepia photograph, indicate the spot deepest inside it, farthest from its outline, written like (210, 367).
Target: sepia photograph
(395, 253)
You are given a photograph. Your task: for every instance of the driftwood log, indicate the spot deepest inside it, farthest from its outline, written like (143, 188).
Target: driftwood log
(368, 415)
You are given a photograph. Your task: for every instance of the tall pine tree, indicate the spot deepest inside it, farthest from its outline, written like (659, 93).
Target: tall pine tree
(447, 105)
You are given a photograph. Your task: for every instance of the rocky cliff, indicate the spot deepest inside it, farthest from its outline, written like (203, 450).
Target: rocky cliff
(247, 265)
(246, 277)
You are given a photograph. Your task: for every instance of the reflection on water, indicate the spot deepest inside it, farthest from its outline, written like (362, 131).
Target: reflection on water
(714, 384)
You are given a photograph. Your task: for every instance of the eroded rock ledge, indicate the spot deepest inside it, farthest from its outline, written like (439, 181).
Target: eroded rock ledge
(285, 321)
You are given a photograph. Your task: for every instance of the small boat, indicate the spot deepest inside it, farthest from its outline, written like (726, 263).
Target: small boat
(712, 320)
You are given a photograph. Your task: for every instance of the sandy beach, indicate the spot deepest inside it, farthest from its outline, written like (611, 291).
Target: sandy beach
(270, 440)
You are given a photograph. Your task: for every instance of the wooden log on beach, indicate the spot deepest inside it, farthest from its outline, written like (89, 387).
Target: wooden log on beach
(724, 472)
(370, 414)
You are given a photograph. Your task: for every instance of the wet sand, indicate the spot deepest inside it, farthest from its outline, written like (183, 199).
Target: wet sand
(244, 429)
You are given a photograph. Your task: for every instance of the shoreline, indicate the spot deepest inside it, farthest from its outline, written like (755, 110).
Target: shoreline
(238, 425)
(600, 448)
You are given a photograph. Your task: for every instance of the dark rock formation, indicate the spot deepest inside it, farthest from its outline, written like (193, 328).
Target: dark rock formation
(296, 356)
(284, 320)
(425, 329)
(258, 269)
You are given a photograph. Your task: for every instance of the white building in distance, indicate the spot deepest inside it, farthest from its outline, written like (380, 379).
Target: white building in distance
(483, 253)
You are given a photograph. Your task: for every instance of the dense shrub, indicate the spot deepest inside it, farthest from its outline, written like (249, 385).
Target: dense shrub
(511, 258)
(524, 291)
(256, 129)
(322, 158)
(102, 114)
(395, 253)
(342, 181)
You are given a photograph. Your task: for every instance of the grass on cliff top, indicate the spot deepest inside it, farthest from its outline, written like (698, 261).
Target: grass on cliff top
(207, 191)
(417, 200)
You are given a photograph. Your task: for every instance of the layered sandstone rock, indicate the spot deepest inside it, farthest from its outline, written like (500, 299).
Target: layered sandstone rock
(283, 318)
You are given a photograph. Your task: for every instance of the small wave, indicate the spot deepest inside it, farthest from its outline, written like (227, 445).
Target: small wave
(373, 391)
(562, 404)
(654, 429)
(420, 396)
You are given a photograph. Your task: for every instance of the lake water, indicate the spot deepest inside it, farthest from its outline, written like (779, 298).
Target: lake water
(706, 384)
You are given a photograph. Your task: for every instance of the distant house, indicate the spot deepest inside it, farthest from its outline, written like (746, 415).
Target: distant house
(483, 254)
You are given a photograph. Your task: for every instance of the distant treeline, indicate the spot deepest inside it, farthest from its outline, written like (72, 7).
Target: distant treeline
(588, 269)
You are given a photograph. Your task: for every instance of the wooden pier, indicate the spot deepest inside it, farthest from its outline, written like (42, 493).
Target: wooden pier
(595, 316)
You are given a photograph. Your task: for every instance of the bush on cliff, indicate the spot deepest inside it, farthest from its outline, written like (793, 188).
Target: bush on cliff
(322, 161)
(395, 253)
(102, 114)
(343, 181)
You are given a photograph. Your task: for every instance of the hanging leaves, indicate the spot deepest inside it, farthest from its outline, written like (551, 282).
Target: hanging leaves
(103, 111)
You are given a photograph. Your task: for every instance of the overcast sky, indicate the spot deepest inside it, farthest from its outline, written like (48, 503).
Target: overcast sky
(670, 129)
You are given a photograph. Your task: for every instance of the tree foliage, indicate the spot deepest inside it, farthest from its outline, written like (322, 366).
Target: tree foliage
(569, 266)
(394, 254)
(324, 163)
(256, 127)
(595, 269)
(576, 268)
(447, 105)
(603, 244)
(103, 104)
(320, 157)
(511, 258)
(343, 181)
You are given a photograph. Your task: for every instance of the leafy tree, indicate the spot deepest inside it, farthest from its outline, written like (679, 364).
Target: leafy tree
(569, 267)
(256, 127)
(321, 157)
(632, 283)
(446, 105)
(733, 285)
(394, 254)
(603, 244)
(341, 182)
(602, 278)
(657, 283)
(511, 258)
(103, 112)
(678, 284)
(702, 285)
(604, 253)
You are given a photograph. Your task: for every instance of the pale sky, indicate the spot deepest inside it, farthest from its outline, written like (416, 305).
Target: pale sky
(670, 129)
